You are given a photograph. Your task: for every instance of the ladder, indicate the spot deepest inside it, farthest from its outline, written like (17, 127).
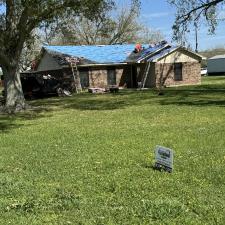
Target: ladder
(145, 75)
(75, 73)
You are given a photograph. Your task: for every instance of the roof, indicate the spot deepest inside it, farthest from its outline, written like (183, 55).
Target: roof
(218, 57)
(112, 54)
(151, 50)
(97, 53)
(162, 53)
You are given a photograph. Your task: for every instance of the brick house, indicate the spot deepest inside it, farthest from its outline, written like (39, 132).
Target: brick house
(105, 65)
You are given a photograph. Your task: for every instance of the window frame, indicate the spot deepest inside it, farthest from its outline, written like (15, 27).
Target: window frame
(178, 71)
(111, 80)
(84, 73)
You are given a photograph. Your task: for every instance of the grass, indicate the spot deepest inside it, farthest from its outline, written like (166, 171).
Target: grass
(88, 159)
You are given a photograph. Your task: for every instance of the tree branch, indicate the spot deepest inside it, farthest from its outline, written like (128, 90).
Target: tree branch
(204, 6)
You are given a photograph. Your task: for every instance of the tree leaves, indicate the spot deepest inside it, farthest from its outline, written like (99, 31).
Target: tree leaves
(194, 11)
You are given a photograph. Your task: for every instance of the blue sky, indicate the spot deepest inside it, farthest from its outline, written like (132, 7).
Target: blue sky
(158, 14)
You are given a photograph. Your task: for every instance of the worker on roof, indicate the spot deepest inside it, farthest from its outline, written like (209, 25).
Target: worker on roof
(138, 48)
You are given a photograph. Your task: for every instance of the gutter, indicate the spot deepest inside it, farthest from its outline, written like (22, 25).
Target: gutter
(96, 65)
(79, 66)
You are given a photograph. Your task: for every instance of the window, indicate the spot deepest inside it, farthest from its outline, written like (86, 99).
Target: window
(84, 79)
(178, 76)
(111, 77)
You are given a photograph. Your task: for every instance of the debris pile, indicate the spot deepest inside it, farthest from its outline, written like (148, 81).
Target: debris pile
(111, 89)
(36, 86)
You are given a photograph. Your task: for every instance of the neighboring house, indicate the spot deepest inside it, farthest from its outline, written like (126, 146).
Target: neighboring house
(105, 65)
(216, 65)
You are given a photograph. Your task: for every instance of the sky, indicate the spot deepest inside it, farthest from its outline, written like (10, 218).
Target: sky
(160, 15)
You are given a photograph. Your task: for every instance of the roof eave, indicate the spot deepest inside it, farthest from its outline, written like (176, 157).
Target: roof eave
(194, 53)
(97, 64)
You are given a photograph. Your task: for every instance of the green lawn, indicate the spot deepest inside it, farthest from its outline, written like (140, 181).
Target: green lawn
(88, 159)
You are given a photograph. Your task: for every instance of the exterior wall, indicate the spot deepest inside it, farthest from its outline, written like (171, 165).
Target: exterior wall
(151, 80)
(191, 74)
(124, 76)
(48, 63)
(119, 75)
(179, 56)
(98, 75)
(216, 65)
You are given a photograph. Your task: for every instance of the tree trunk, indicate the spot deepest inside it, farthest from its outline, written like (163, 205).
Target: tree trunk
(14, 97)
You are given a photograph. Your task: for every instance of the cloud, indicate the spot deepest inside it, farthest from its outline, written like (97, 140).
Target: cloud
(155, 15)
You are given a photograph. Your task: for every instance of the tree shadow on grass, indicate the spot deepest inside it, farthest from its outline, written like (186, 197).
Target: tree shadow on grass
(14, 121)
(46, 107)
(7, 124)
(99, 102)
(205, 95)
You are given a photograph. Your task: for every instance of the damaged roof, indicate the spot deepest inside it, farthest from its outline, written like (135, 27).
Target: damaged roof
(61, 58)
(105, 54)
(97, 53)
(111, 54)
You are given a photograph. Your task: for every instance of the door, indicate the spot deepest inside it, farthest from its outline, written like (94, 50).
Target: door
(111, 77)
(84, 79)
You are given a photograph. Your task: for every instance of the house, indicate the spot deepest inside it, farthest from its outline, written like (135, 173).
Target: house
(105, 65)
(216, 65)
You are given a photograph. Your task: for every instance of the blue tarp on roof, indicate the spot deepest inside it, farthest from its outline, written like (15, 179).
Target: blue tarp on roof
(111, 53)
(99, 54)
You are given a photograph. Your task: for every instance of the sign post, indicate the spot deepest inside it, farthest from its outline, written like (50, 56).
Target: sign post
(164, 158)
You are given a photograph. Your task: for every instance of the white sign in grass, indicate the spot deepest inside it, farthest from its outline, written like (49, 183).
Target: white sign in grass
(164, 158)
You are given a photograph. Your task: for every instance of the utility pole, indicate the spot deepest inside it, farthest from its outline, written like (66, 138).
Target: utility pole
(196, 36)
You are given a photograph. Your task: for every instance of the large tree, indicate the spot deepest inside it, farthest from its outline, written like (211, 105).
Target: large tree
(119, 25)
(195, 12)
(18, 18)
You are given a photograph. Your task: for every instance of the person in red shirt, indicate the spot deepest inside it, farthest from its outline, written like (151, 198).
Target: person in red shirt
(138, 48)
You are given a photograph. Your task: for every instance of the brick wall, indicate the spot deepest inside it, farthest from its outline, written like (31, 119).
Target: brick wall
(124, 76)
(119, 75)
(98, 75)
(150, 81)
(191, 74)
